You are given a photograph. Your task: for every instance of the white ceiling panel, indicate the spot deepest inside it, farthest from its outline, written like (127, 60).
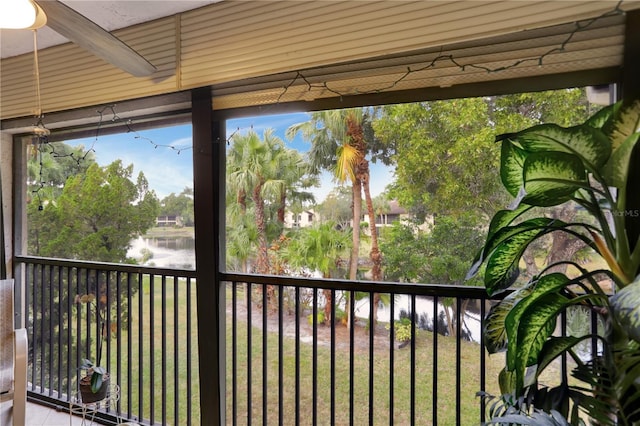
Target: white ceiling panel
(110, 15)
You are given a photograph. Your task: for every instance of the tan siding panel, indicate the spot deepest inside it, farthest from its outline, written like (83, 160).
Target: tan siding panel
(597, 47)
(228, 42)
(380, 28)
(370, 85)
(540, 43)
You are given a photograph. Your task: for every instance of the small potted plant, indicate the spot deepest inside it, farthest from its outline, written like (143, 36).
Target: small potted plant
(95, 383)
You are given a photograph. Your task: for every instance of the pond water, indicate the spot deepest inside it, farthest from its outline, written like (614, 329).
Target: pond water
(166, 252)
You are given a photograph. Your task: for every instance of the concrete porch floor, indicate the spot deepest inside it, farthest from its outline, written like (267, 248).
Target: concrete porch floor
(38, 415)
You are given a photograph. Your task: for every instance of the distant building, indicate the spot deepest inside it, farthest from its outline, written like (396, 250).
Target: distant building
(394, 213)
(169, 220)
(299, 220)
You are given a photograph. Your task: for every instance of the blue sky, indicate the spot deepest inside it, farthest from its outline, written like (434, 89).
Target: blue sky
(165, 156)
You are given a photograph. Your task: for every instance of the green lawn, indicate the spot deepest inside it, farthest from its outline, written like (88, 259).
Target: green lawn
(424, 391)
(176, 313)
(147, 371)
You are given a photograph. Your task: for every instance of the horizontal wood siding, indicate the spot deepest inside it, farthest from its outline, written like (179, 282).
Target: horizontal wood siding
(248, 40)
(597, 48)
(345, 46)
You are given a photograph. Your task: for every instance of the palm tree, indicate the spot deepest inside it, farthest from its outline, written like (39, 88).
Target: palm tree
(253, 168)
(294, 173)
(321, 248)
(339, 144)
(241, 237)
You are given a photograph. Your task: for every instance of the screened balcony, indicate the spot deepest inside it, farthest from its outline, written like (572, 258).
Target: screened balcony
(206, 346)
(298, 371)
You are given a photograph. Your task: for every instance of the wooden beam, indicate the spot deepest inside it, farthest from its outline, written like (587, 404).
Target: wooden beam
(206, 160)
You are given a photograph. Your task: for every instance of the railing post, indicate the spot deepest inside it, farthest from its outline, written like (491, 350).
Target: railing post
(207, 165)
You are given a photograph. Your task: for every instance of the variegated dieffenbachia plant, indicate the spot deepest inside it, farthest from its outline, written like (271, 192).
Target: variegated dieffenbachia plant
(542, 167)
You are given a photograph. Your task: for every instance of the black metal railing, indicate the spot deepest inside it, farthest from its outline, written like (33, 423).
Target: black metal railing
(287, 363)
(289, 358)
(149, 343)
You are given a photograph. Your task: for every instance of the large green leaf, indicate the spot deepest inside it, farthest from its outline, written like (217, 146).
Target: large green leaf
(632, 207)
(511, 163)
(507, 232)
(506, 248)
(536, 325)
(495, 333)
(556, 346)
(603, 119)
(626, 309)
(626, 122)
(507, 381)
(500, 220)
(551, 178)
(588, 143)
(547, 284)
(617, 168)
(505, 217)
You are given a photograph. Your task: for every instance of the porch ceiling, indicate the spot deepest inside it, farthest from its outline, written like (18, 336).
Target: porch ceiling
(256, 53)
(110, 15)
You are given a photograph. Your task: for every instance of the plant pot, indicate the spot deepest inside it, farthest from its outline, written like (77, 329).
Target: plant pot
(87, 395)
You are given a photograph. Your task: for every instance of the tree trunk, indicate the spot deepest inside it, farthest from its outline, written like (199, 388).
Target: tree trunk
(463, 306)
(241, 198)
(362, 173)
(449, 322)
(328, 306)
(355, 249)
(263, 250)
(530, 263)
(374, 254)
(356, 213)
(263, 253)
(281, 208)
(563, 246)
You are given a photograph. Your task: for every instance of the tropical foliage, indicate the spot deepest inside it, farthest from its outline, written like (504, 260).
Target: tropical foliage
(262, 175)
(93, 216)
(342, 141)
(322, 247)
(439, 254)
(542, 167)
(445, 156)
